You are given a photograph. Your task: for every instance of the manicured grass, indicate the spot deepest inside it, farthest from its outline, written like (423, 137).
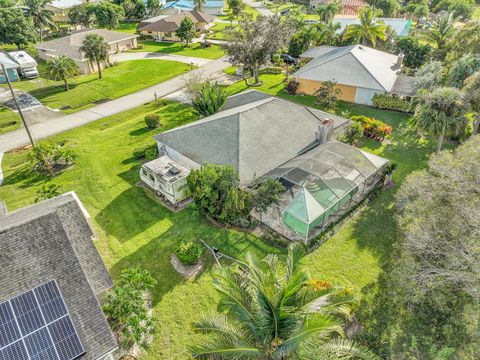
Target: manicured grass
(128, 27)
(220, 31)
(246, 9)
(194, 50)
(9, 120)
(134, 229)
(87, 90)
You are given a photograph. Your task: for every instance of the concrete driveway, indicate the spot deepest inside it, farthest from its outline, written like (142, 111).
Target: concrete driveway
(160, 56)
(18, 138)
(263, 10)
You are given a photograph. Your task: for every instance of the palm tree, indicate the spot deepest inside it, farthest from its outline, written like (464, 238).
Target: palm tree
(96, 50)
(471, 91)
(369, 30)
(328, 33)
(41, 16)
(326, 12)
(63, 68)
(275, 311)
(439, 113)
(441, 33)
(199, 5)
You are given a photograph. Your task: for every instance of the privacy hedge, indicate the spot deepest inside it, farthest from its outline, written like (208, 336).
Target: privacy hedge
(390, 102)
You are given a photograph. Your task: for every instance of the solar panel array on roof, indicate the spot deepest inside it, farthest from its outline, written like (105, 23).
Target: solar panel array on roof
(36, 325)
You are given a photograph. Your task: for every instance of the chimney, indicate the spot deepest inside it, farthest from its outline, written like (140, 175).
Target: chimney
(324, 132)
(400, 58)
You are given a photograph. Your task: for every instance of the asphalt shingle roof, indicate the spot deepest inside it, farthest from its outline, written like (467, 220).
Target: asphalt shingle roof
(52, 240)
(354, 65)
(172, 23)
(255, 132)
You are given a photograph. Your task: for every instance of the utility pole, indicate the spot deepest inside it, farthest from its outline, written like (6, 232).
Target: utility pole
(17, 105)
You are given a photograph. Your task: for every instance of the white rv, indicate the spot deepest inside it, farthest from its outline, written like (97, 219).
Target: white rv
(27, 66)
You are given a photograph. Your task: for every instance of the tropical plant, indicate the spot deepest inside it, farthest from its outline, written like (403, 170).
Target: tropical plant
(440, 113)
(50, 158)
(429, 76)
(266, 193)
(353, 133)
(48, 191)
(275, 311)
(390, 102)
(189, 253)
(465, 41)
(41, 16)
(327, 94)
(186, 30)
(415, 53)
(63, 68)
(125, 307)
(373, 128)
(471, 91)
(96, 50)
(209, 98)
(440, 34)
(463, 68)
(327, 10)
(328, 33)
(389, 7)
(370, 30)
(15, 27)
(199, 5)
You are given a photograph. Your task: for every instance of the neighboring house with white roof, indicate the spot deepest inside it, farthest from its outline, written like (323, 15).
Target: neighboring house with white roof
(71, 46)
(359, 71)
(213, 7)
(401, 26)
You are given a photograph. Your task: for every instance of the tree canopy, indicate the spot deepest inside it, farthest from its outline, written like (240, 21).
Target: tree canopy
(186, 30)
(16, 28)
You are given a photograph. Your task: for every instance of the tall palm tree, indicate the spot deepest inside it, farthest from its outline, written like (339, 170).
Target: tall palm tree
(96, 50)
(327, 11)
(441, 33)
(199, 5)
(275, 311)
(328, 33)
(471, 91)
(41, 16)
(369, 30)
(63, 68)
(440, 113)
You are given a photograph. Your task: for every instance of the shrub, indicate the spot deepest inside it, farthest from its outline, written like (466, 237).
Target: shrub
(353, 133)
(327, 94)
(152, 121)
(189, 253)
(50, 158)
(390, 102)
(266, 193)
(48, 191)
(291, 86)
(209, 99)
(205, 44)
(373, 128)
(271, 70)
(148, 153)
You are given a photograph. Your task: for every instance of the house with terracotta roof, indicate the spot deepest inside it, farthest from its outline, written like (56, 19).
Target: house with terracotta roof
(359, 71)
(164, 28)
(349, 7)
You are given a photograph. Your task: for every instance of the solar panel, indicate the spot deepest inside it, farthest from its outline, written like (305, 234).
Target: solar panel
(36, 325)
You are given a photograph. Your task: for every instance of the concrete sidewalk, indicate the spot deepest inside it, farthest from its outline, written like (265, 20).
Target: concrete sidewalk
(160, 56)
(18, 138)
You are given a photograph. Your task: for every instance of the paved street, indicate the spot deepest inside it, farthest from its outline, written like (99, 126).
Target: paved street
(258, 6)
(151, 55)
(18, 138)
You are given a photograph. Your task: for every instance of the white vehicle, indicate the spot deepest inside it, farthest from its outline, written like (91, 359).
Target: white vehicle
(27, 66)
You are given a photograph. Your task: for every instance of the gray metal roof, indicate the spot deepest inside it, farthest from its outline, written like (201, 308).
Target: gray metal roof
(255, 136)
(404, 86)
(52, 240)
(354, 65)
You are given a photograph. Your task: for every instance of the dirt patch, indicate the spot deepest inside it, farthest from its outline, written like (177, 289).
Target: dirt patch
(185, 270)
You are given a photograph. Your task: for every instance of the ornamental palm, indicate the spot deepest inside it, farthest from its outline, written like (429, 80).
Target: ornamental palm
(274, 311)
(63, 68)
(327, 11)
(199, 5)
(369, 30)
(440, 34)
(471, 91)
(439, 113)
(41, 16)
(96, 50)
(328, 33)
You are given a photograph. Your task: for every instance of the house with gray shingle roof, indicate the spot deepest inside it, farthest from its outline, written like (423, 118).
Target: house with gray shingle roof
(51, 241)
(359, 71)
(71, 46)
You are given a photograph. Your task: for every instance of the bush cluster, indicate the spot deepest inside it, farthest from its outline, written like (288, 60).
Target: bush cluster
(390, 102)
(373, 128)
(51, 158)
(189, 253)
(152, 121)
(148, 153)
(291, 86)
(271, 70)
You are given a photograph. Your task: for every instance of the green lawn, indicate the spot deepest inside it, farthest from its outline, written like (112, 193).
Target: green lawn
(9, 120)
(128, 27)
(220, 31)
(87, 90)
(134, 229)
(246, 9)
(194, 50)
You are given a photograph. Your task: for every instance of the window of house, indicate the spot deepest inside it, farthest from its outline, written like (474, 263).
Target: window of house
(168, 34)
(144, 172)
(150, 176)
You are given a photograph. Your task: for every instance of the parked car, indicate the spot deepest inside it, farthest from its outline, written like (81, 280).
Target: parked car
(287, 59)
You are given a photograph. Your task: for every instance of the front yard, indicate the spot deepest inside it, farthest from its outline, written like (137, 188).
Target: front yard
(194, 50)
(135, 229)
(9, 120)
(87, 90)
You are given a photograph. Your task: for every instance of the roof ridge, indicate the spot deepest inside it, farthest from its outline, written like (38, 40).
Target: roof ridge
(329, 60)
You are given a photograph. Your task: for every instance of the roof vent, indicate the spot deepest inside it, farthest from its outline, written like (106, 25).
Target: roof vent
(174, 170)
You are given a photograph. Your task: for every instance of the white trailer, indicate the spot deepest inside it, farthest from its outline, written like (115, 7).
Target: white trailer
(27, 66)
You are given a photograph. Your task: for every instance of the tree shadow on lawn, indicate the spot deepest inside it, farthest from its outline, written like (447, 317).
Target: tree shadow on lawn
(24, 175)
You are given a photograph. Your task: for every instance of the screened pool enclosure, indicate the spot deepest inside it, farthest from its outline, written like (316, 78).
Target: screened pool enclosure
(320, 186)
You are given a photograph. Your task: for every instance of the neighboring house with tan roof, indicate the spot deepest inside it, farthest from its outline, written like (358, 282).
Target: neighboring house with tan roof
(349, 7)
(164, 28)
(71, 46)
(359, 71)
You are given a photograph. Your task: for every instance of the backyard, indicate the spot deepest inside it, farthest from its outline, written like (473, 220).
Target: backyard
(194, 50)
(87, 90)
(135, 229)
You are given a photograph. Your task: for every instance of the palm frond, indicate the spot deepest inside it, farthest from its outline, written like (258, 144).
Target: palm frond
(220, 349)
(296, 252)
(344, 349)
